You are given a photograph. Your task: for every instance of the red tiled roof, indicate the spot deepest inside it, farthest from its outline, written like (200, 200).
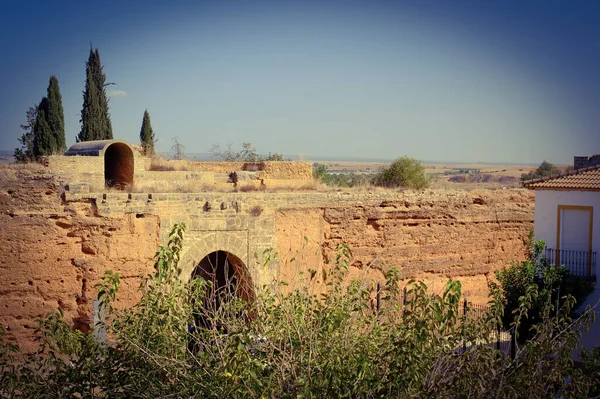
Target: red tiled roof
(586, 179)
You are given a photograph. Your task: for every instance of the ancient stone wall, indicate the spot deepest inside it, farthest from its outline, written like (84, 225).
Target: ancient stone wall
(78, 165)
(430, 236)
(57, 243)
(85, 174)
(54, 252)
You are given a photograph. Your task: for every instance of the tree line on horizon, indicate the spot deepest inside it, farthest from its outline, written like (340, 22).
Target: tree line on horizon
(45, 127)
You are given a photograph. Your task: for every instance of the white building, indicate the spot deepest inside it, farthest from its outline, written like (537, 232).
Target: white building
(567, 218)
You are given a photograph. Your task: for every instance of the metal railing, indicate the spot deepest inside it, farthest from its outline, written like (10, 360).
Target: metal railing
(578, 263)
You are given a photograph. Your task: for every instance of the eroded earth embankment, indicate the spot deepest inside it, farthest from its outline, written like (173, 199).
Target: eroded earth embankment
(430, 236)
(54, 251)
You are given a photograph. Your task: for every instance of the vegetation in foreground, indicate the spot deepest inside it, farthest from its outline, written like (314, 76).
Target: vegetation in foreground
(542, 281)
(298, 344)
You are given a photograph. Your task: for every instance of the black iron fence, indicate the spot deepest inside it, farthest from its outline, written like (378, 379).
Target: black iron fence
(503, 340)
(578, 263)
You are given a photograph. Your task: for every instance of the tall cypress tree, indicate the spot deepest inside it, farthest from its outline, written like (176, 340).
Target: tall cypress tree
(147, 135)
(95, 119)
(44, 142)
(55, 115)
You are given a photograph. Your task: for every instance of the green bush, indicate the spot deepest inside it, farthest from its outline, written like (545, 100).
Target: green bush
(549, 286)
(590, 360)
(290, 344)
(403, 172)
(546, 169)
(321, 175)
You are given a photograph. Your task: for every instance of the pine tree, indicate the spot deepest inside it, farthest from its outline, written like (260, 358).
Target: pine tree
(43, 139)
(95, 119)
(55, 115)
(147, 135)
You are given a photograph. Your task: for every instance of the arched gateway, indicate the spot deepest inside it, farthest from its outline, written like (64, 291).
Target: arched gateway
(229, 277)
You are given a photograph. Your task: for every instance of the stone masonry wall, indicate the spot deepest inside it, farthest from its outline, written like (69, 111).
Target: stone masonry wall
(57, 244)
(429, 236)
(77, 165)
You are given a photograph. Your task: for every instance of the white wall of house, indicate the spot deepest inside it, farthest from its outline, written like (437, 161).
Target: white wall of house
(546, 208)
(546, 211)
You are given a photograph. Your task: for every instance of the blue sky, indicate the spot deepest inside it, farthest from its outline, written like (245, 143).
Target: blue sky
(465, 81)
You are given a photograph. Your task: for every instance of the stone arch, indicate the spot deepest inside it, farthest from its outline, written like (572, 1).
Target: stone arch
(118, 165)
(229, 278)
(227, 272)
(200, 243)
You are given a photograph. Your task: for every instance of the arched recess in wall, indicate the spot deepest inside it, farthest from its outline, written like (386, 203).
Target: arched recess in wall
(118, 166)
(229, 277)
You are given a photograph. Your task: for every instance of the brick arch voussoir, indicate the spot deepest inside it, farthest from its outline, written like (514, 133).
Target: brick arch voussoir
(199, 249)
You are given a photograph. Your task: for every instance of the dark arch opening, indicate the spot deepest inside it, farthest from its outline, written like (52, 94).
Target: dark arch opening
(118, 166)
(229, 278)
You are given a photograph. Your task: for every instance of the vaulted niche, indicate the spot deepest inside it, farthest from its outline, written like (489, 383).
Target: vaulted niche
(229, 278)
(118, 166)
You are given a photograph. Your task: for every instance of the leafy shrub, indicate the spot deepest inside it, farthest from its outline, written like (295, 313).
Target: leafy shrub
(321, 174)
(549, 286)
(294, 343)
(403, 172)
(590, 360)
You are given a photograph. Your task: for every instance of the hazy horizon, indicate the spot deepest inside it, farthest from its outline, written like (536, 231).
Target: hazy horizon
(462, 81)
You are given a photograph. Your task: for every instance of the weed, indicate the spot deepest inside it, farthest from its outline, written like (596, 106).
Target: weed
(256, 210)
(251, 187)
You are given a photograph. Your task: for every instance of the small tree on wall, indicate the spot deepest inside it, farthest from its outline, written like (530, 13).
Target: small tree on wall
(147, 135)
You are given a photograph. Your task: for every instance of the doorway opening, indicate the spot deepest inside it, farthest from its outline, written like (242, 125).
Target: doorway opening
(229, 279)
(118, 166)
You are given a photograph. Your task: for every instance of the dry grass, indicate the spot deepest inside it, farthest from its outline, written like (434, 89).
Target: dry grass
(23, 166)
(164, 165)
(191, 186)
(187, 186)
(183, 186)
(249, 187)
(157, 187)
(443, 183)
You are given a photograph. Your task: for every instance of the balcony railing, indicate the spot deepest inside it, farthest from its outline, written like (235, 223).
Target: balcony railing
(579, 263)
